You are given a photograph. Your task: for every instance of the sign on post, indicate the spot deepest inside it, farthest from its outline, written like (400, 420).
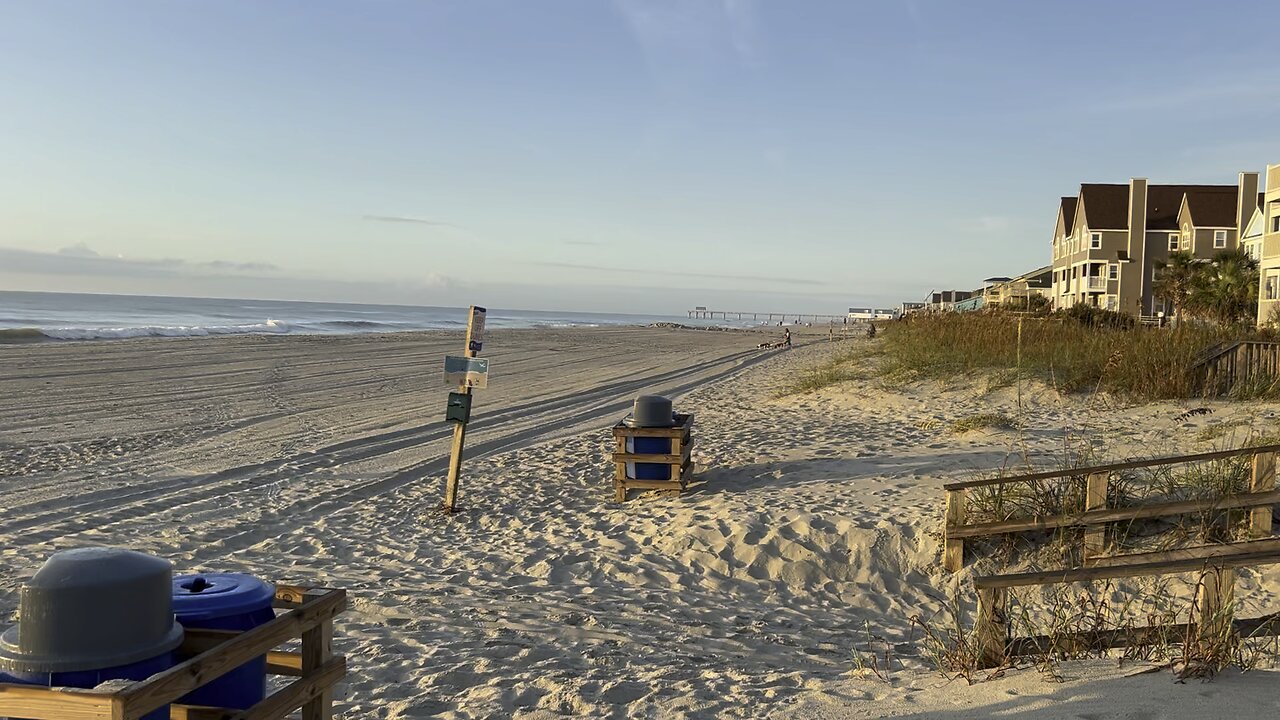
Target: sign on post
(466, 372)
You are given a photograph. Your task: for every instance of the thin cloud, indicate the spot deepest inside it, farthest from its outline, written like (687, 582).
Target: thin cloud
(582, 243)
(80, 259)
(407, 219)
(704, 276)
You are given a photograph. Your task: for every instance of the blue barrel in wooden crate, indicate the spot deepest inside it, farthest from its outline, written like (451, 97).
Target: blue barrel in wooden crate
(649, 446)
(226, 601)
(90, 615)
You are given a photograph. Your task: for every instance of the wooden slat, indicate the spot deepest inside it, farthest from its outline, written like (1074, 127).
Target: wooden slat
(1112, 467)
(278, 705)
(681, 430)
(1127, 637)
(1261, 479)
(1198, 552)
(40, 703)
(632, 483)
(953, 547)
(652, 459)
(1095, 499)
(163, 688)
(198, 640)
(1181, 507)
(1166, 567)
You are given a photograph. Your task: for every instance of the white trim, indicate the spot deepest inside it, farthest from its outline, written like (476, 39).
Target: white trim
(1174, 240)
(1216, 234)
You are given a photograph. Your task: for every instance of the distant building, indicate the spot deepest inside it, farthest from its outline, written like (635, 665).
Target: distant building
(1110, 238)
(907, 308)
(872, 314)
(945, 300)
(976, 301)
(1015, 291)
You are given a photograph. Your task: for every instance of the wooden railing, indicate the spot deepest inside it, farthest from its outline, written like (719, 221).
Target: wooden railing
(1096, 515)
(1223, 367)
(1213, 610)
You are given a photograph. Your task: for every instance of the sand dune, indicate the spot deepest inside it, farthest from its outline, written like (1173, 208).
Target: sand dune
(814, 519)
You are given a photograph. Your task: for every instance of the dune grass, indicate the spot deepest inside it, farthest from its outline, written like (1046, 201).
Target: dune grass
(982, 421)
(1138, 363)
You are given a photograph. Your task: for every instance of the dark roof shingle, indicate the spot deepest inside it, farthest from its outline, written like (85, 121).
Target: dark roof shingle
(1068, 209)
(1106, 206)
(1212, 208)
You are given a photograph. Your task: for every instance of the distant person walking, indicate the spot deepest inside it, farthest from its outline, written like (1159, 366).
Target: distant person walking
(786, 338)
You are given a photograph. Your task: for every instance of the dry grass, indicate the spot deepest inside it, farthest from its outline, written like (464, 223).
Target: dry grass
(982, 421)
(1140, 364)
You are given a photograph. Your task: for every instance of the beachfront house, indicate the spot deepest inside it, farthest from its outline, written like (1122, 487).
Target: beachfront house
(869, 314)
(1264, 231)
(908, 308)
(1110, 238)
(945, 300)
(1016, 291)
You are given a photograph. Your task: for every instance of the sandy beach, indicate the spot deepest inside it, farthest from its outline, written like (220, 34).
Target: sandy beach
(813, 522)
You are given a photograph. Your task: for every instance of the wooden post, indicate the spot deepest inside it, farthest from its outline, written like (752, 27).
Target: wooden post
(953, 548)
(475, 337)
(1262, 479)
(620, 474)
(991, 631)
(317, 649)
(1216, 605)
(1095, 498)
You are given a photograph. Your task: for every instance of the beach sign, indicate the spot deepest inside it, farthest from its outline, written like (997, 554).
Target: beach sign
(475, 329)
(466, 371)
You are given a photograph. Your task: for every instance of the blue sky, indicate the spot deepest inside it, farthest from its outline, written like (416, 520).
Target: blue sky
(624, 155)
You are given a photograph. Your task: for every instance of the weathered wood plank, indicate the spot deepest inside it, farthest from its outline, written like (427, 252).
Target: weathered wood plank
(1166, 567)
(1112, 467)
(953, 547)
(1095, 499)
(1262, 479)
(40, 703)
(1139, 512)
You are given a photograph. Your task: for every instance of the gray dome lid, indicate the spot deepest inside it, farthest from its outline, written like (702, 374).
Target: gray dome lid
(651, 411)
(92, 608)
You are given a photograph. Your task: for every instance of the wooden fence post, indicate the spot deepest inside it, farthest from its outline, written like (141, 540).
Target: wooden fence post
(620, 472)
(1262, 480)
(1095, 498)
(317, 649)
(991, 631)
(1217, 606)
(953, 548)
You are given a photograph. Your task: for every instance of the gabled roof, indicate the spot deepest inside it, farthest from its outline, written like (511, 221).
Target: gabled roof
(1216, 208)
(1068, 208)
(1106, 205)
(1164, 202)
(1254, 227)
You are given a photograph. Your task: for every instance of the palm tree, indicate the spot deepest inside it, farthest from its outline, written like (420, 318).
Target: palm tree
(1226, 288)
(1175, 280)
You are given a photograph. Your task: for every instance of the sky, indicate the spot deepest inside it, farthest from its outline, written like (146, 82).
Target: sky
(617, 155)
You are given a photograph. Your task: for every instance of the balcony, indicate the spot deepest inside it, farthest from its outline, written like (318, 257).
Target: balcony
(1096, 283)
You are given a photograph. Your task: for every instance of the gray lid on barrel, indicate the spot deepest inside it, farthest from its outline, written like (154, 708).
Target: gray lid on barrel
(652, 411)
(92, 608)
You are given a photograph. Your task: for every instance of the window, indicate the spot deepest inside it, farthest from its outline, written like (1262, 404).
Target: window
(1271, 290)
(1095, 241)
(1173, 242)
(1219, 238)
(1255, 251)
(1111, 301)
(1275, 224)
(1113, 272)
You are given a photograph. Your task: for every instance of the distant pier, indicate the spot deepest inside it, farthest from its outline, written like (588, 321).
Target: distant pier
(705, 314)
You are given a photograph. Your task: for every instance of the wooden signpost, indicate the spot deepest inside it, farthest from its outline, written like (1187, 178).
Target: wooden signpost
(466, 372)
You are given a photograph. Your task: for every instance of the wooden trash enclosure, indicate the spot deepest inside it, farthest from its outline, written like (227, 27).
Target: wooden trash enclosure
(1096, 515)
(308, 615)
(680, 458)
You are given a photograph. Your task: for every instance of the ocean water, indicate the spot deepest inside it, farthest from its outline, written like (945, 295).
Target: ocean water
(30, 317)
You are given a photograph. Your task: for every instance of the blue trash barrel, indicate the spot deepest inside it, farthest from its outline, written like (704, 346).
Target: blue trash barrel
(226, 601)
(651, 446)
(92, 678)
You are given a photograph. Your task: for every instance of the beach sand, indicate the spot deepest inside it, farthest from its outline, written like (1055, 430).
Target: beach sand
(813, 522)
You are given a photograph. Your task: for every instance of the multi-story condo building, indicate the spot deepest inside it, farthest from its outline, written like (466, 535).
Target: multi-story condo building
(1110, 238)
(1263, 233)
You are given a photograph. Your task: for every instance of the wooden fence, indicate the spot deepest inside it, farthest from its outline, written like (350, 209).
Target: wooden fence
(1223, 367)
(1096, 515)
